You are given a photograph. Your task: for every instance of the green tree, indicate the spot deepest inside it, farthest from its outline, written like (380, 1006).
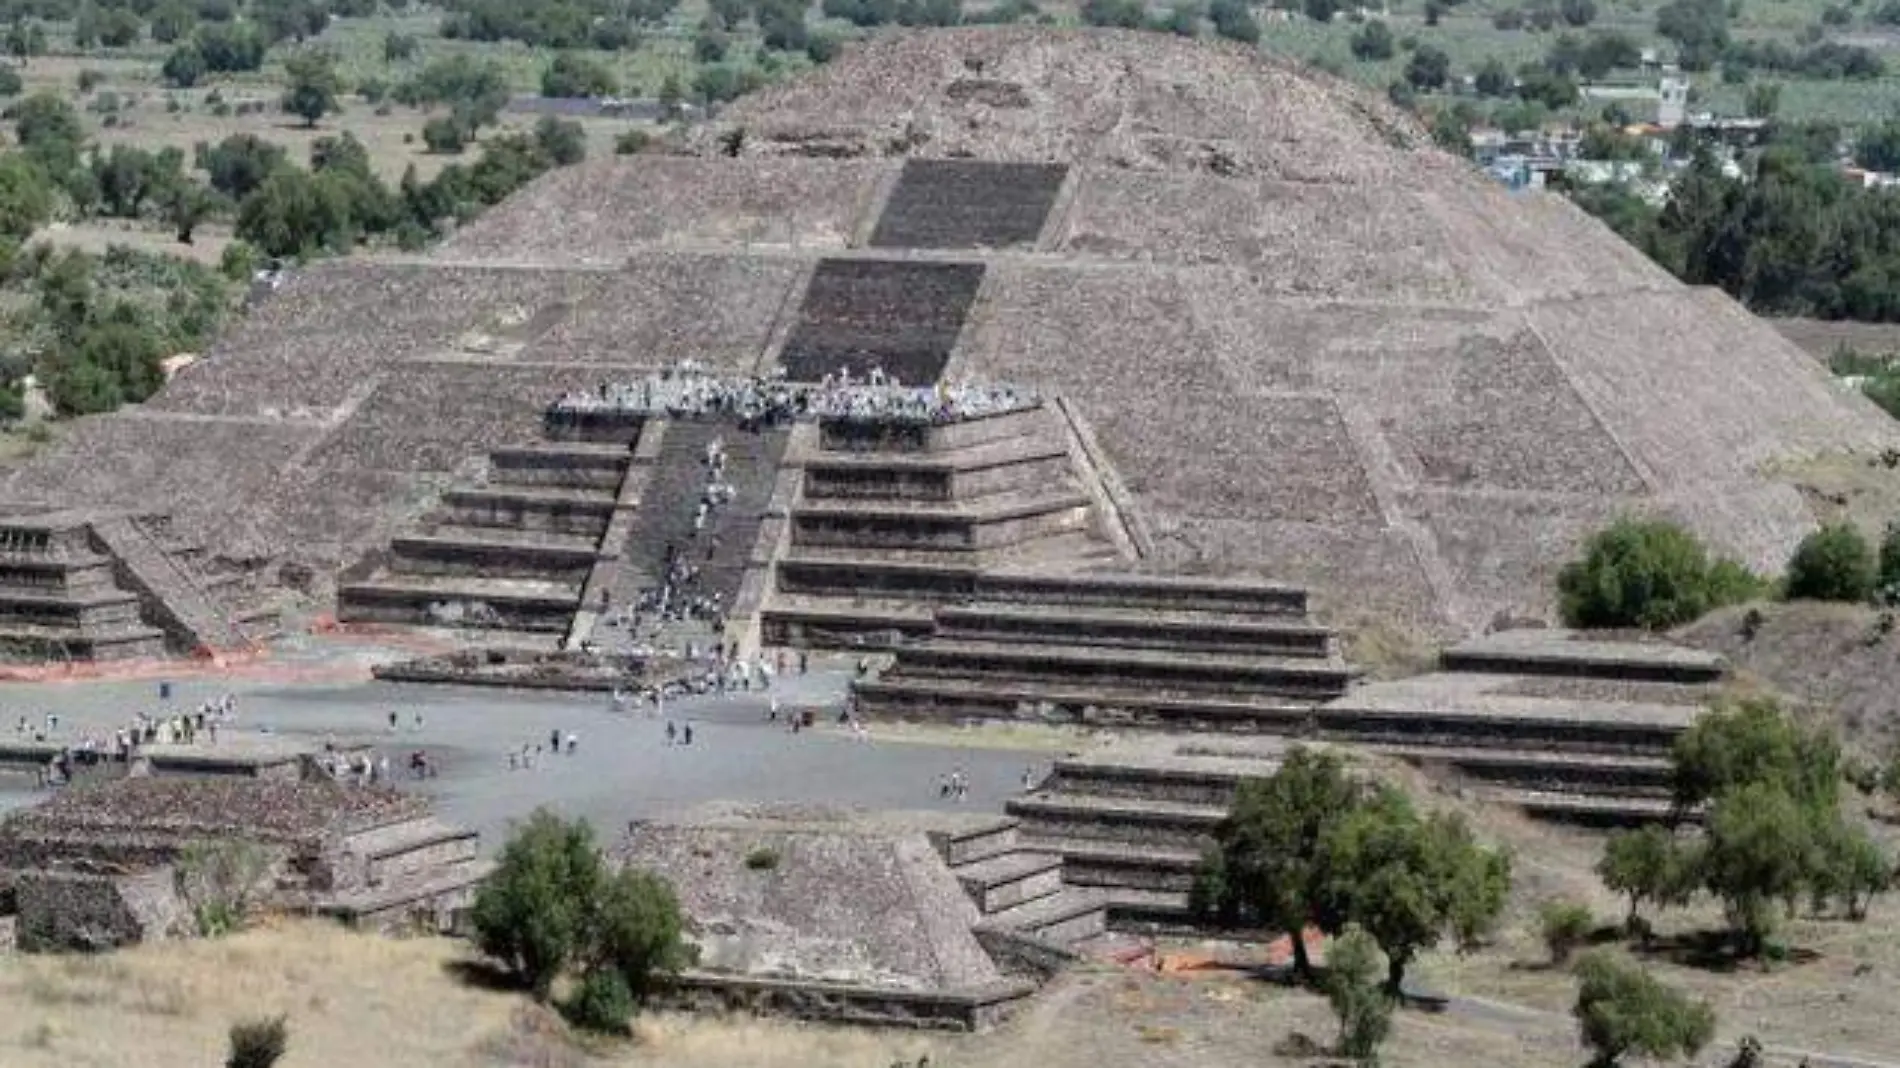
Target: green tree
(25, 39)
(1621, 1009)
(1234, 21)
(1699, 29)
(570, 75)
(1877, 147)
(1492, 79)
(293, 214)
(1762, 100)
(444, 136)
(49, 129)
(173, 21)
(532, 914)
(1126, 14)
(314, 86)
(398, 48)
(1888, 578)
(1266, 866)
(1645, 865)
(185, 67)
(561, 141)
(552, 906)
(1373, 41)
(186, 204)
(1759, 849)
(1850, 867)
(1643, 573)
(1429, 68)
(239, 163)
(1353, 966)
(230, 47)
(1399, 876)
(1748, 742)
(1834, 563)
(1578, 12)
(26, 197)
(119, 28)
(1564, 925)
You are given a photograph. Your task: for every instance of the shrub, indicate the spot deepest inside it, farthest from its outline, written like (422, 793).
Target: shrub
(1354, 966)
(631, 142)
(602, 1002)
(444, 136)
(1622, 1009)
(1646, 573)
(1834, 563)
(220, 880)
(258, 1043)
(1565, 926)
(762, 859)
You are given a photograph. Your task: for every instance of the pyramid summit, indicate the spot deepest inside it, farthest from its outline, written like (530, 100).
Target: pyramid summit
(1292, 339)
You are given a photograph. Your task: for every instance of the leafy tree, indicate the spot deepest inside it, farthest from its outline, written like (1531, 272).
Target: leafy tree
(1759, 850)
(1353, 964)
(1565, 925)
(1126, 14)
(1492, 79)
(1877, 148)
(1267, 866)
(1234, 21)
(1750, 742)
(293, 214)
(1699, 29)
(49, 129)
(1850, 868)
(602, 1003)
(551, 905)
(1762, 100)
(1399, 876)
(1621, 1009)
(444, 136)
(187, 204)
(240, 163)
(562, 141)
(1578, 12)
(1373, 41)
(398, 48)
(26, 197)
(25, 39)
(173, 21)
(532, 913)
(822, 48)
(185, 67)
(230, 47)
(314, 86)
(570, 75)
(119, 28)
(1640, 573)
(1834, 563)
(113, 363)
(1646, 865)
(1429, 68)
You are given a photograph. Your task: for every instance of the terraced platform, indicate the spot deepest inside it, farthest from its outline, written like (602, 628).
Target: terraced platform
(962, 204)
(509, 554)
(901, 317)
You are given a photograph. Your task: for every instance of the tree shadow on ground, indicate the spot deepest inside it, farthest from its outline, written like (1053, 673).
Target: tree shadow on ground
(1716, 951)
(482, 975)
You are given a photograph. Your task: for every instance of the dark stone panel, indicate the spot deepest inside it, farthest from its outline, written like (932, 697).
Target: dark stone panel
(860, 314)
(954, 203)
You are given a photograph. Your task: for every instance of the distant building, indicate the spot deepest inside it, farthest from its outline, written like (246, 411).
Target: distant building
(1673, 102)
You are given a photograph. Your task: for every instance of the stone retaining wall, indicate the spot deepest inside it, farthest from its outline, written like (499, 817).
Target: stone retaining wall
(66, 910)
(839, 1003)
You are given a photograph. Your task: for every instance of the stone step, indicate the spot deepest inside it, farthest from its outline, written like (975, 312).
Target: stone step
(1063, 918)
(1597, 813)
(994, 453)
(997, 467)
(56, 644)
(1546, 771)
(1153, 912)
(986, 523)
(1006, 880)
(992, 508)
(558, 510)
(491, 553)
(556, 464)
(1185, 631)
(1560, 654)
(430, 899)
(1163, 824)
(979, 841)
(1115, 865)
(848, 435)
(962, 699)
(1120, 590)
(1072, 665)
(830, 623)
(1491, 721)
(461, 602)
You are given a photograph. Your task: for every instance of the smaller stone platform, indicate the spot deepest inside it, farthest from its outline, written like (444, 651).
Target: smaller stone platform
(914, 919)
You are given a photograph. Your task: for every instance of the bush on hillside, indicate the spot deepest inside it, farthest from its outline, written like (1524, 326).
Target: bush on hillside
(1647, 573)
(1834, 563)
(258, 1043)
(1565, 925)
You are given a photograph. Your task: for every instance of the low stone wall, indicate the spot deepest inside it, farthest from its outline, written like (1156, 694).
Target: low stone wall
(1188, 635)
(1024, 956)
(839, 1003)
(67, 910)
(892, 530)
(513, 670)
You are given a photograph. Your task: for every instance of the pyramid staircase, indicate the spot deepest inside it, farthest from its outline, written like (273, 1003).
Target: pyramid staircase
(510, 553)
(882, 521)
(81, 586)
(1020, 889)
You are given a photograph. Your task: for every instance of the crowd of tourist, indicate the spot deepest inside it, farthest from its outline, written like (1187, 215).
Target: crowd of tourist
(121, 744)
(761, 401)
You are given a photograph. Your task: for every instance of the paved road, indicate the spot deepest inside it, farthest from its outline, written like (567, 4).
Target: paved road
(623, 768)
